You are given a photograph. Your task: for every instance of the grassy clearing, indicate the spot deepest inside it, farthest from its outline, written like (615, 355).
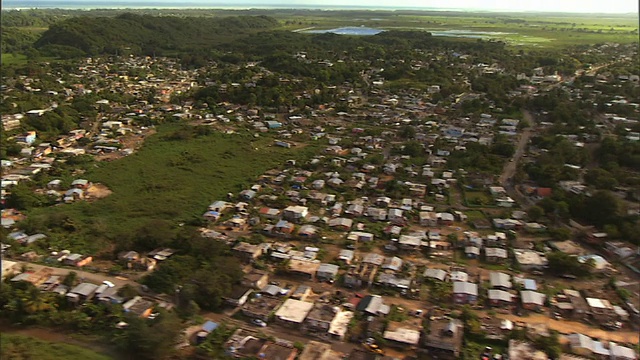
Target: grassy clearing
(11, 59)
(477, 197)
(173, 180)
(518, 30)
(25, 347)
(474, 215)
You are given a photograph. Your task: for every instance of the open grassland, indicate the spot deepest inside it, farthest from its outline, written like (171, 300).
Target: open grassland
(11, 59)
(519, 30)
(25, 347)
(172, 180)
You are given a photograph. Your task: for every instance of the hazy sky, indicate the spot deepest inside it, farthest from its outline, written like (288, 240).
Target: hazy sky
(594, 6)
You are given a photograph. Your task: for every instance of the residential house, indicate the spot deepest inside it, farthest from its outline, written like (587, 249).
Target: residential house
(532, 300)
(530, 260)
(622, 352)
(396, 216)
(219, 206)
(437, 274)
(500, 280)
(82, 293)
(445, 218)
(410, 242)
(500, 298)
(444, 339)
(585, 346)
(260, 307)
(247, 252)
(373, 305)
(295, 213)
(428, 218)
(327, 272)
(139, 306)
(319, 318)
(341, 224)
(247, 194)
(256, 279)
(399, 335)
(578, 309)
(340, 324)
(283, 228)
(308, 232)
(346, 255)
(496, 255)
(301, 292)
(82, 184)
(465, 292)
(354, 210)
(78, 260)
(601, 309)
(318, 351)
(458, 275)
(303, 267)
(293, 312)
(392, 263)
(238, 295)
(472, 252)
(377, 214)
(360, 236)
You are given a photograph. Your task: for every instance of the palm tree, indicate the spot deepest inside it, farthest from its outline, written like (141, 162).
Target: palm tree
(33, 301)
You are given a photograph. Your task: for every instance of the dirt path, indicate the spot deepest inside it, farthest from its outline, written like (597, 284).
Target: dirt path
(570, 327)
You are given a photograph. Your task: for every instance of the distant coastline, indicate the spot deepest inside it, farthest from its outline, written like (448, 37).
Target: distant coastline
(241, 5)
(141, 4)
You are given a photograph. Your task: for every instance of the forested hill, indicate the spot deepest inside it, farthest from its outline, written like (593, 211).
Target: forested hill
(144, 34)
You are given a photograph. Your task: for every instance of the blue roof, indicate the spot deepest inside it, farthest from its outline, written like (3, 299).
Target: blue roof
(209, 326)
(530, 284)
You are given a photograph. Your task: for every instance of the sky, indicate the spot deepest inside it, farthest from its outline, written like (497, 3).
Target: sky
(584, 6)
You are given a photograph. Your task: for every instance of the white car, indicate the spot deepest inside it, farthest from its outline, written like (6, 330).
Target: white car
(259, 322)
(109, 283)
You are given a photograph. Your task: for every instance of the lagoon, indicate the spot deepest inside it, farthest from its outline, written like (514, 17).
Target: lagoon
(367, 31)
(347, 30)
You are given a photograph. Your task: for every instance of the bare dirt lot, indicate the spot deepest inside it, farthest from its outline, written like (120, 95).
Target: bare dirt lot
(98, 191)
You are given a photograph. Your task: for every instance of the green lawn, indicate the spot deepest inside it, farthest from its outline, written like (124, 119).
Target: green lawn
(11, 59)
(172, 180)
(25, 347)
(473, 215)
(477, 197)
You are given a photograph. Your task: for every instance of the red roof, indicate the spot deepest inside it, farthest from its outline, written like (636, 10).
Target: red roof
(543, 192)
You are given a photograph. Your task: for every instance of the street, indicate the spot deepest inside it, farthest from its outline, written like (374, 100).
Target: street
(82, 275)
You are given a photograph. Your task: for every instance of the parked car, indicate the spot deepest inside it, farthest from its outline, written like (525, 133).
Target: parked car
(259, 322)
(109, 283)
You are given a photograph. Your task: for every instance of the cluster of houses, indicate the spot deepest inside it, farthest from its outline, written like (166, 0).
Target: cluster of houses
(84, 292)
(416, 217)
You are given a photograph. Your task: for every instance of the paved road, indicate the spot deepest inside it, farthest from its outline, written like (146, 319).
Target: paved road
(510, 168)
(570, 327)
(83, 275)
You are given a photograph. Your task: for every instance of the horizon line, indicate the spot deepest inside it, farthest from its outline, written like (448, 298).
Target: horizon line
(298, 7)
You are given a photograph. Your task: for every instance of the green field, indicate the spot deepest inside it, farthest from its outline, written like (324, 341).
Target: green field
(11, 59)
(25, 347)
(171, 180)
(516, 29)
